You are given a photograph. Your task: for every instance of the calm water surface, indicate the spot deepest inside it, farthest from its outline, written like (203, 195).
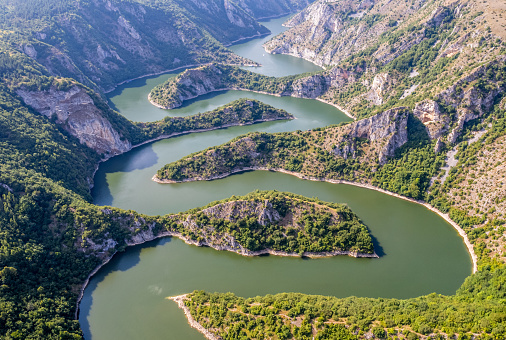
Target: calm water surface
(421, 253)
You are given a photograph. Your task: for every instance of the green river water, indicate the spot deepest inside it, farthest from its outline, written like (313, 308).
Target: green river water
(420, 252)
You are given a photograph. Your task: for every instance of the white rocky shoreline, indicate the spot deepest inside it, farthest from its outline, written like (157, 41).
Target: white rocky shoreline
(254, 91)
(191, 321)
(238, 250)
(446, 217)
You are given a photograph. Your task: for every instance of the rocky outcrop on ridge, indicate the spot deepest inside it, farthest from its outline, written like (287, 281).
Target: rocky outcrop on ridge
(370, 141)
(103, 39)
(215, 77)
(260, 9)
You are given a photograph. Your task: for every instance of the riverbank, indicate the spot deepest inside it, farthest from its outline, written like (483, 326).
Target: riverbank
(176, 69)
(248, 90)
(239, 250)
(180, 303)
(446, 217)
(182, 133)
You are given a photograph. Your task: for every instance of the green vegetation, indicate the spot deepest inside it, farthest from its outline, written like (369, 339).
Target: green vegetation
(475, 312)
(213, 77)
(299, 224)
(47, 225)
(415, 163)
(138, 38)
(239, 112)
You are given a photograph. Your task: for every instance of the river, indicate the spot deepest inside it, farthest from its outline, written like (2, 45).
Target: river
(420, 252)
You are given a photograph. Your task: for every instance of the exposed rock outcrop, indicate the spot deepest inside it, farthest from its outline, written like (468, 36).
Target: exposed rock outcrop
(429, 114)
(263, 211)
(75, 111)
(378, 87)
(322, 33)
(387, 131)
(214, 77)
(271, 8)
(6, 187)
(471, 97)
(105, 35)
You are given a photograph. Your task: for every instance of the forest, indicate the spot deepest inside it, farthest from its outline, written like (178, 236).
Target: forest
(304, 225)
(466, 315)
(47, 221)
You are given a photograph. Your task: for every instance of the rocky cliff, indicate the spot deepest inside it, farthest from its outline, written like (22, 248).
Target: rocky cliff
(75, 111)
(214, 77)
(386, 132)
(327, 32)
(271, 8)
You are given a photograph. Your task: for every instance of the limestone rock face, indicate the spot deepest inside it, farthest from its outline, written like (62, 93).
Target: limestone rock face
(30, 51)
(237, 210)
(322, 35)
(208, 78)
(271, 8)
(108, 38)
(76, 112)
(472, 101)
(384, 132)
(390, 127)
(429, 114)
(378, 87)
(232, 14)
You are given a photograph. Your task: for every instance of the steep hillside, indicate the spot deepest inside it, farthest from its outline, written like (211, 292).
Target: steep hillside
(327, 32)
(344, 152)
(216, 77)
(408, 53)
(96, 42)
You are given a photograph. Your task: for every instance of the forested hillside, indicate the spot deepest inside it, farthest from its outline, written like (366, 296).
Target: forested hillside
(56, 57)
(429, 82)
(426, 84)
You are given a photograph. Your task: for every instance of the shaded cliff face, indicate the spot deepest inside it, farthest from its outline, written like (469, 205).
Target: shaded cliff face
(386, 131)
(76, 112)
(328, 32)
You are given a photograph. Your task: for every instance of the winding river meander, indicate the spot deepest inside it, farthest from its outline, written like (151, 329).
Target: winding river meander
(420, 252)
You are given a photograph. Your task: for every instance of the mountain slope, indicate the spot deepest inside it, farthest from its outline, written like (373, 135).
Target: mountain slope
(96, 42)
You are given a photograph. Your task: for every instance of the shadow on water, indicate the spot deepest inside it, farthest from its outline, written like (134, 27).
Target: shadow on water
(126, 261)
(378, 249)
(143, 157)
(140, 158)
(101, 185)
